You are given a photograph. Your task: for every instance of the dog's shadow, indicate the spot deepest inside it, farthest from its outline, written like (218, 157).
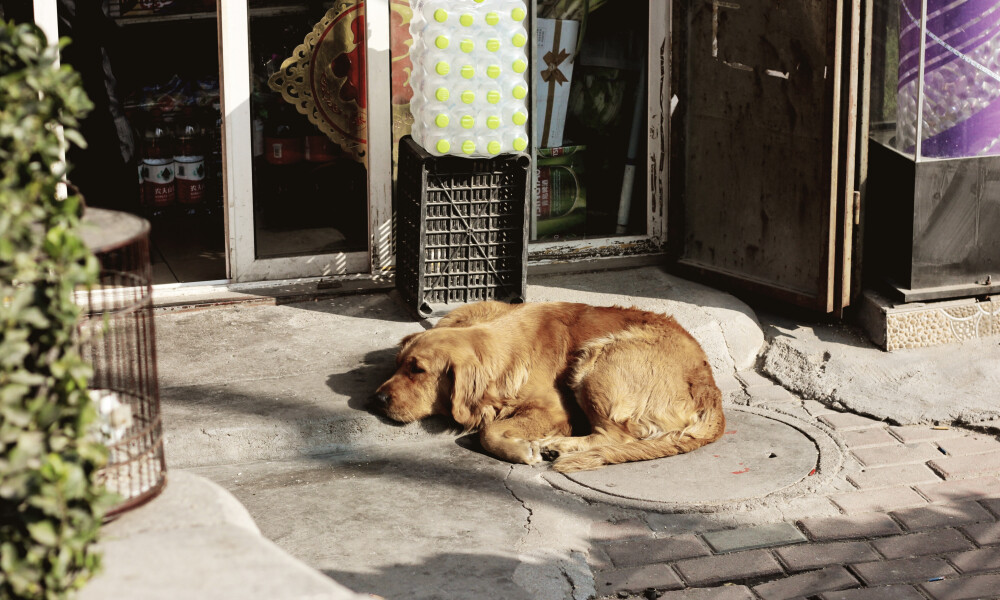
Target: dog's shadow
(359, 385)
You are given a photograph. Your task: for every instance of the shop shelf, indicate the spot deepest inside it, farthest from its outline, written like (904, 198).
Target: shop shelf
(462, 229)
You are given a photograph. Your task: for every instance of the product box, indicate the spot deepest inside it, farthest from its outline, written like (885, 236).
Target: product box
(554, 55)
(560, 194)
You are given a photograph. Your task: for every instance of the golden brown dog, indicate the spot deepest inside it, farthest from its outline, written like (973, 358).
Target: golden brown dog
(512, 372)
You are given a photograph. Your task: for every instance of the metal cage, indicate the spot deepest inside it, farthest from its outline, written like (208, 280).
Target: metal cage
(118, 338)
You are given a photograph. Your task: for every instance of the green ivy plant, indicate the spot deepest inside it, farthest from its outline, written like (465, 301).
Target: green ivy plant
(50, 506)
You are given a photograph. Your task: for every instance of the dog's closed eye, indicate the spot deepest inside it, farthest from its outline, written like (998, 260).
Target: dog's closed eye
(415, 368)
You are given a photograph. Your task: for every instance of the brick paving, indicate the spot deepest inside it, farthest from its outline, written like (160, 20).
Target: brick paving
(920, 524)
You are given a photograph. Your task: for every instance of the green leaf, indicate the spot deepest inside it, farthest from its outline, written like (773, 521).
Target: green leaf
(43, 532)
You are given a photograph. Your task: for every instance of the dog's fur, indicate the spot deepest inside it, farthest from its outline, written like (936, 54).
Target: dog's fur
(511, 372)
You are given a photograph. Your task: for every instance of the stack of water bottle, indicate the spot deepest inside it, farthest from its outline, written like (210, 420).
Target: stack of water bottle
(469, 77)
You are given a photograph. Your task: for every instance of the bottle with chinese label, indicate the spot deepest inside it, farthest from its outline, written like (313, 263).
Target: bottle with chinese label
(189, 166)
(282, 136)
(158, 185)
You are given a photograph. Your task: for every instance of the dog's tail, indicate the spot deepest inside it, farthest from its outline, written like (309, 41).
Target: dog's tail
(705, 430)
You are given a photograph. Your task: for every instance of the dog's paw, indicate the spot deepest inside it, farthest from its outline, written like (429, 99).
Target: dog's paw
(531, 452)
(549, 454)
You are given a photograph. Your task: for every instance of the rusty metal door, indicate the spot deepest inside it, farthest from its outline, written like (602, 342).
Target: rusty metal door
(765, 133)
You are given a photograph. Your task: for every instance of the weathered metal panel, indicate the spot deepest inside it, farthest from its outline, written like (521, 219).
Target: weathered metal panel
(762, 84)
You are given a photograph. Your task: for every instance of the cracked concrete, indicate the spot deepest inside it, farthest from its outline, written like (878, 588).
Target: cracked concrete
(838, 366)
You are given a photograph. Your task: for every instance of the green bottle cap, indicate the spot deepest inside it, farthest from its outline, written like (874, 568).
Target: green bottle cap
(467, 45)
(518, 14)
(493, 122)
(442, 68)
(468, 96)
(493, 71)
(441, 120)
(466, 20)
(520, 92)
(468, 146)
(441, 94)
(519, 66)
(468, 122)
(492, 44)
(440, 15)
(441, 42)
(492, 18)
(493, 97)
(520, 144)
(519, 40)
(468, 71)
(519, 118)
(493, 147)
(443, 146)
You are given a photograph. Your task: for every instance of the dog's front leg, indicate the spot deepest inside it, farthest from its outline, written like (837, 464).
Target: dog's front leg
(516, 438)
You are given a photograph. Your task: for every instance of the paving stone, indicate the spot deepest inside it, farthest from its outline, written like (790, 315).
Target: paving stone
(753, 378)
(760, 394)
(941, 515)
(644, 552)
(977, 561)
(922, 544)
(728, 567)
(638, 579)
(866, 438)
(849, 421)
(862, 525)
(965, 445)
(993, 504)
(813, 556)
(878, 500)
(728, 592)
(896, 475)
(923, 433)
(966, 467)
(885, 456)
(817, 409)
(606, 531)
(984, 534)
(806, 584)
(979, 586)
(961, 489)
(892, 592)
(598, 559)
(904, 570)
(748, 538)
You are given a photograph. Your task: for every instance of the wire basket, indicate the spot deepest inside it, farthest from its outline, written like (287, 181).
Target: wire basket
(118, 339)
(462, 229)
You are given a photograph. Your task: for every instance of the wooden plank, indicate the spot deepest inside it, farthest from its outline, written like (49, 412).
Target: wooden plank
(658, 95)
(847, 161)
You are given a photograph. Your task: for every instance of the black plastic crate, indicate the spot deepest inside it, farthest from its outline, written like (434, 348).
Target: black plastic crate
(462, 229)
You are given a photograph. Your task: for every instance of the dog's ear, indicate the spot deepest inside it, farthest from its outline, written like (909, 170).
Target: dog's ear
(407, 339)
(467, 388)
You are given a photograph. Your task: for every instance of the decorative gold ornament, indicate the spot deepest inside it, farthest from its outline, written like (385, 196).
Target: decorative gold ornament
(325, 78)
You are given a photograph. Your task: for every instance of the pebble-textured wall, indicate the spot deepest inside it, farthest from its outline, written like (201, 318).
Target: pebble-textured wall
(942, 324)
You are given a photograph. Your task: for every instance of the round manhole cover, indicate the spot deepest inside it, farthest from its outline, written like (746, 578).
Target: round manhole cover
(757, 456)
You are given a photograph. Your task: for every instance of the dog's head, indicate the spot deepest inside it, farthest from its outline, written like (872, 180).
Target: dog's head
(438, 372)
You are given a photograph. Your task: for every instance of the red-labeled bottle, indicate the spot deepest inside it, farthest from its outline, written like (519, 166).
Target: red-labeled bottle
(189, 166)
(159, 190)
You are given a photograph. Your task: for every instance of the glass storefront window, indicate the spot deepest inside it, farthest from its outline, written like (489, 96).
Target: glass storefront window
(309, 113)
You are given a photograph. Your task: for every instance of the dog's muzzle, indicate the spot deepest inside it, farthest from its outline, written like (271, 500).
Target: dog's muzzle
(381, 400)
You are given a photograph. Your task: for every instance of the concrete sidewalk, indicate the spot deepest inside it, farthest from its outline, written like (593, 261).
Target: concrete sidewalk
(800, 497)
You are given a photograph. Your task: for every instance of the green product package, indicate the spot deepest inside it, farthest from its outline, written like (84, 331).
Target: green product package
(560, 194)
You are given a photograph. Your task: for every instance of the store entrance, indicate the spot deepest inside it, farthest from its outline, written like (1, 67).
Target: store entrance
(154, 135)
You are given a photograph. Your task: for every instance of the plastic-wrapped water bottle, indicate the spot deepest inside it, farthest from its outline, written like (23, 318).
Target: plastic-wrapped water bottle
(469, 65)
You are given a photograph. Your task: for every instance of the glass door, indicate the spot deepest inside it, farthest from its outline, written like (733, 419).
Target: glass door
(304, 172)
